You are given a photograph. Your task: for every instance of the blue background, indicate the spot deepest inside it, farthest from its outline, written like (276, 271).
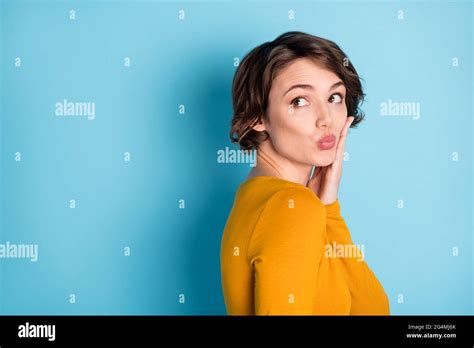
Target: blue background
(190, 62)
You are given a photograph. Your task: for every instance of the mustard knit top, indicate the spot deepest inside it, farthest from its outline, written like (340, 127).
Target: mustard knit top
(283, 252)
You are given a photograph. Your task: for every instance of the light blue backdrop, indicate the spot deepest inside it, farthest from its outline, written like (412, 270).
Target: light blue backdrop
(407, 187)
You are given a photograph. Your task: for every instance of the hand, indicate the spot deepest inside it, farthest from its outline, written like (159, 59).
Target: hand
(325, 180)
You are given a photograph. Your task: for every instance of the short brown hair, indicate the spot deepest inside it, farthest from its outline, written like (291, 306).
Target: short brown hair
(253, 80)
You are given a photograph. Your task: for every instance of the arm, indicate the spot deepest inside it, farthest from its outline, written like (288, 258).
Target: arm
(368, 295)
(285, 250)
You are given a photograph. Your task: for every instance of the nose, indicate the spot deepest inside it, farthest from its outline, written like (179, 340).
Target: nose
(323, 117)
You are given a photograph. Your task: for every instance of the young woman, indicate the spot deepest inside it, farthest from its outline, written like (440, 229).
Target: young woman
(285, 249)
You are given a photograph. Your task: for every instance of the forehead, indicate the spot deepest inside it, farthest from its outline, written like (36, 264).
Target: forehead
(304, 71)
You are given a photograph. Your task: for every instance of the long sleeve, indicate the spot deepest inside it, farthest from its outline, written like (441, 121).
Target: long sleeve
(285, 251)
(368, 295)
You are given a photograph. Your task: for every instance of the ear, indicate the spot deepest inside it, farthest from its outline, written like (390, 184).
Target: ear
(260, 126)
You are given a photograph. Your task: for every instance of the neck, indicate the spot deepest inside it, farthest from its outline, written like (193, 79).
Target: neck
(270, 163)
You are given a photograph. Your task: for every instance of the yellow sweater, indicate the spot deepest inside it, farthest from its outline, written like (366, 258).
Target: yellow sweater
(283, 252)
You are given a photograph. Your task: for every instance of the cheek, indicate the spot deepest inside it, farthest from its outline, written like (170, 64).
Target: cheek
(340, 125)
(288, 125)
(341, 118)
(290, 133)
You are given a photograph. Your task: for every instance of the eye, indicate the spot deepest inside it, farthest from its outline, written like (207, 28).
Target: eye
(339, 98)
(298, 99)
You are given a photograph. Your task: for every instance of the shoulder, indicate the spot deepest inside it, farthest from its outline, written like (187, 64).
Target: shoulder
(293, 218)
(272, 193)
(293, 207)
(296, 198)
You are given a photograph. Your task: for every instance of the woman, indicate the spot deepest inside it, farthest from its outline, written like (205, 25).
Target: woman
(294, 100)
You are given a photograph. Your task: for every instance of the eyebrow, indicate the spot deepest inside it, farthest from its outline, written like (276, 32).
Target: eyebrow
(310, 87)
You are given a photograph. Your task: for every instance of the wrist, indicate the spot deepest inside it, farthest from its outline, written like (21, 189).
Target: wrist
(332, 209)
(328, 197)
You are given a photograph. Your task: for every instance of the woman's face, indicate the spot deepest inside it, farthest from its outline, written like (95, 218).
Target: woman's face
(306, 103)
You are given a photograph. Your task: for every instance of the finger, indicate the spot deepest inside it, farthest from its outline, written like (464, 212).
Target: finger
(342, 138)
(347, 125)
(345, 129)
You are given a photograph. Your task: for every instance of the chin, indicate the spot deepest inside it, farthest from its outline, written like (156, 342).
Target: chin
(324, 160)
